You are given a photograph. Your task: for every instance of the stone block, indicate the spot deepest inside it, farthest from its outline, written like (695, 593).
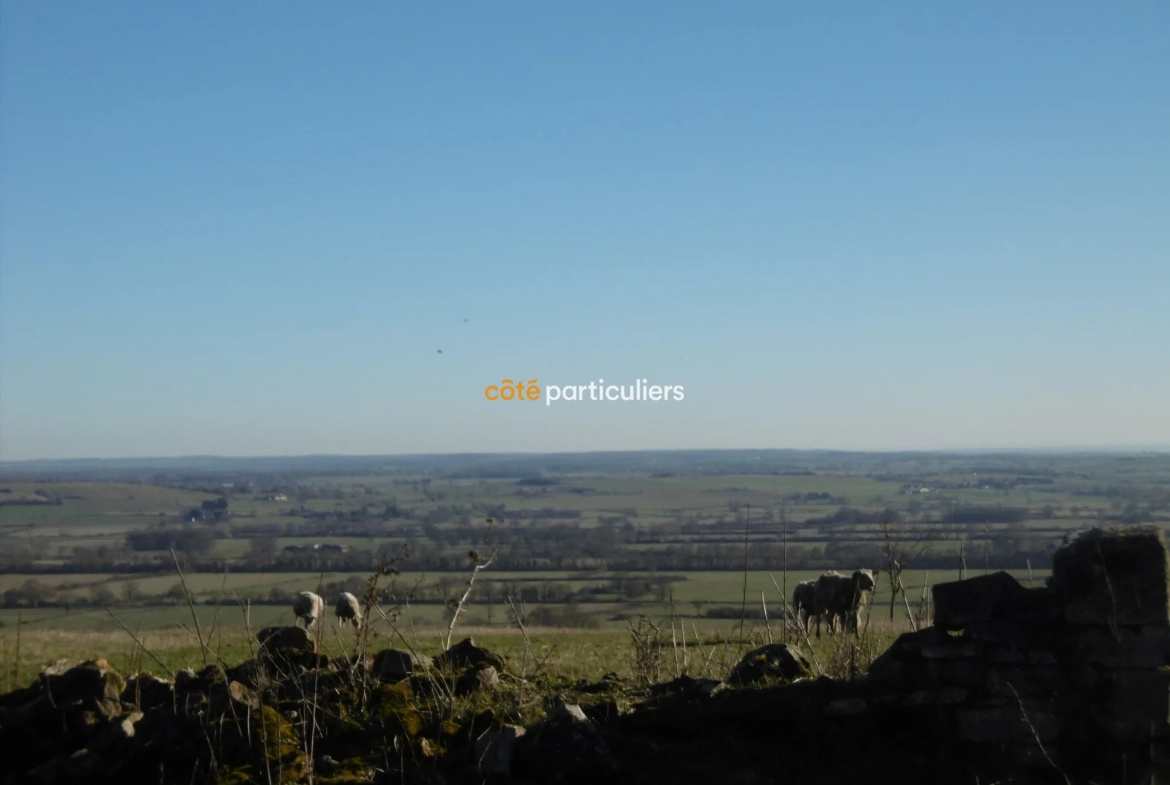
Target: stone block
(943, 696)
(493, 751)
(773, 661)
(1120, 647)
(1114, 577)
(232, 699)
(1006, 725)
(1025, 682)
(951, 650)
(997, 597)
(963, 673)
(1000, 655)
(394, 665)
(1135, 704)
(1042, 657)
(844, 707)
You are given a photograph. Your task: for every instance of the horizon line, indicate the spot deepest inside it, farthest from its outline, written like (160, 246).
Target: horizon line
(1051, 450)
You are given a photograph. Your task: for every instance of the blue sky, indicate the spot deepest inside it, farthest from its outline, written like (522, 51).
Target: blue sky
(248, 228)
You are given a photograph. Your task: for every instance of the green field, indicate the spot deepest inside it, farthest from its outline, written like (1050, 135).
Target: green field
(588, 549)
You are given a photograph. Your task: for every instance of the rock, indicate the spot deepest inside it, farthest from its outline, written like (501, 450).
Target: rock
(493, 751)
(187, 681)
(773, 661)
(93, 680)
(1018, 681)
(963, 673)
(148, 692)
(844, 707)
(248, 673)
(1114, 578)
(941, 696)
(286, 649)
(232, 699)
(476, 679)
(1040, 657)
(1001, 655)
(566, 748)
(275, 638)
(953, 649)
(997, 597)
(1135, 704)
(688, 687)
(1006, 725)
(116, 731)
(566, 712)
(606, 711)
(606, 683)
(1121, 647)
(466, 654)
(327, 766)
(393, 665)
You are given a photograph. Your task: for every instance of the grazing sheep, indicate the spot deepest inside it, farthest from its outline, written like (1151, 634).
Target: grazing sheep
(842, 596)
(348, 609)
(804, 603)
(310, 607)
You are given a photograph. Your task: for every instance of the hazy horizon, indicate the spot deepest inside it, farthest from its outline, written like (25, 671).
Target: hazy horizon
(1071, 450)
(272, 229)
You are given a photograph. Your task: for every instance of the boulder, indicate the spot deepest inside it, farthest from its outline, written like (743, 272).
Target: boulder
(493, 751)
(687, 687)
(148, 692)
(607, 683)
(566, 748)
(466, 654)
(772, 661)
(476, 679)
(285, 648)
(1135, 704)
(997, 597)
(272, 639)
(93, 680)
(393, 665)
(1011, 724)
(115, 732)
(232, 699)
(248, 673)
(1123, 647)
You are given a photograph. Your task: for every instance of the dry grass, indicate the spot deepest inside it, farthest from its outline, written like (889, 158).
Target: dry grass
(571, 654)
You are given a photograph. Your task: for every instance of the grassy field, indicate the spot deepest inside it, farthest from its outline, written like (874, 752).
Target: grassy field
(707, 588)
(47, 524)
(703, 648)
(45, 634)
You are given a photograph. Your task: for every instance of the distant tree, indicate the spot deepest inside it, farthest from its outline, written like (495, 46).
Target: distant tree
(1048, 512)
(277, 595)
(262, 551)
(178, 594)
(899, 546)
(103, 596)
(131, 591)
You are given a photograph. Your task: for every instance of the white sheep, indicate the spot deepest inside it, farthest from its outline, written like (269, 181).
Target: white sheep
(348, 609)
(310, 607)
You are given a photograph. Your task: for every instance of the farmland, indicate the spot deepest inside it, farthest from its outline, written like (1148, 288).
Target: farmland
(579, 543)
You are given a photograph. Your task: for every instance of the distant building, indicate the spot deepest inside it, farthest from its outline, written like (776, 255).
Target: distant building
(316, 548)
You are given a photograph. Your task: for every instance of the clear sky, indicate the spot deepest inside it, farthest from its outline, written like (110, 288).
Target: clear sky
(249, 228)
